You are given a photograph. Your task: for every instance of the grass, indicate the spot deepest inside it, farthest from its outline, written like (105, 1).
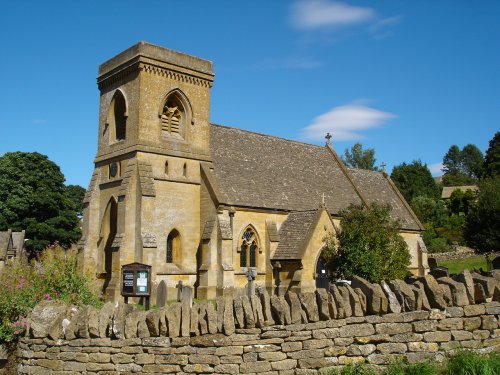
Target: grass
(463, 363)
(458, 265)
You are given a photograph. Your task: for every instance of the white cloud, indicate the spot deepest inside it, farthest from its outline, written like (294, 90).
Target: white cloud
(311, 14)
(346, 122)
(436, 168)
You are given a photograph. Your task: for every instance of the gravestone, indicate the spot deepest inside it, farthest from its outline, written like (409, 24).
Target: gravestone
(496, 263)
(161, 294)
(179, 290)
(432, 263)
(187, 295)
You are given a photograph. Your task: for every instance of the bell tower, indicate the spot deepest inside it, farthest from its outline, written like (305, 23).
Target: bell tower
(143, 201)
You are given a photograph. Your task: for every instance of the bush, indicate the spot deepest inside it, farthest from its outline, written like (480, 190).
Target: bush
(24, 284)
(368, 245)
(462, 363)
(482, 231)
(470, 363)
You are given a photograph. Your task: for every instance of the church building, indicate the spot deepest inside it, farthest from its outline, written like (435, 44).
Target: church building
(202, 203)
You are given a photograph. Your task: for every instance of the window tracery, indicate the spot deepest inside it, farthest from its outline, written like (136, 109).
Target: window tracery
(173, 117)
(248, 248)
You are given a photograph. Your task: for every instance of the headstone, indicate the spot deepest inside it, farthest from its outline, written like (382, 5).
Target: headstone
(187, 295)
(496, 263)
(179, 290)
(432, 262)
(161, 294)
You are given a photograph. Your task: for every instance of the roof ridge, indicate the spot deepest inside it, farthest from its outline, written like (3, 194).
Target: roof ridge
(267, 135)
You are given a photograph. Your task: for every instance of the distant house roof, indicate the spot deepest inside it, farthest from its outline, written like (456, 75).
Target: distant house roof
(262, 171)
(447, 190)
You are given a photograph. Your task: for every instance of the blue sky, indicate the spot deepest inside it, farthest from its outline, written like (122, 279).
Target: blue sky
(408, 78)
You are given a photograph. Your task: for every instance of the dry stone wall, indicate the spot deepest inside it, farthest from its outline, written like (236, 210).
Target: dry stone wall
(291, 334)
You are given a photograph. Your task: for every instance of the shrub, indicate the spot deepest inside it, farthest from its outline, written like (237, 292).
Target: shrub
(470, 363)
(368, 245)
(25, 284)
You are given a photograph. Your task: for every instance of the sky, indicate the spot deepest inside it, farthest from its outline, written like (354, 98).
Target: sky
(407, 78)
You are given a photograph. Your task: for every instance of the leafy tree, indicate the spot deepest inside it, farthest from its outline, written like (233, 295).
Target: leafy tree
(430, 210)
(356, 157)
(414, 180)
(76, 194)
(482, 229)
(460, 201)
(368, 245)
(462, 167)
(452, 160)
(492, 159)
(33, 198)
(472, 161)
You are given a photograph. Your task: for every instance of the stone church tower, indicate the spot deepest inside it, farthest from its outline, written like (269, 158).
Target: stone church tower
(144, 193)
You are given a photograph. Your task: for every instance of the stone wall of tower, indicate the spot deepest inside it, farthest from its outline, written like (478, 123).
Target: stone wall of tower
(151, 178)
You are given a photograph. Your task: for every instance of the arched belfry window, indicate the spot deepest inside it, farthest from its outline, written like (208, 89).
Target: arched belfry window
(175, 113)
(249, 246)
(173, 247)
(117, 117)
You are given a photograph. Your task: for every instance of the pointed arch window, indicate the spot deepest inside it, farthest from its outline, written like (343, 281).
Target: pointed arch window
(173, 246)
(116, 121)
(249, 246)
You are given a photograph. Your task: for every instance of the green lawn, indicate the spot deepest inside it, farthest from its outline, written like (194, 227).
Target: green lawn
(458, 265)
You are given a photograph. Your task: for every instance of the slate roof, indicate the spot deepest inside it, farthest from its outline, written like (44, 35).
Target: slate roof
(447, 190)
(262, 171)
(293, 233)
(378, 188)
(256, 170)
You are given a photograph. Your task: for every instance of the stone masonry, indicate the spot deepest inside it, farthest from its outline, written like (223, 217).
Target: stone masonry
(294, 334)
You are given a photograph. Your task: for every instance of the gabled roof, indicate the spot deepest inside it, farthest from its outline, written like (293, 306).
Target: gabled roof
(293, 233)
(447, 190)
(378, 188)
(261, 171)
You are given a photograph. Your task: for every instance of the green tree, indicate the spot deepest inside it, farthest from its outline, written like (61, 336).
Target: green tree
(356, 157)
(368, 245)
(76, 194)
(430, 210)
(482, 228)
(491, 165)
(462, 167)
(460, 201)
(472, 161)
(414, 180)
(451, 160)
(33, 198)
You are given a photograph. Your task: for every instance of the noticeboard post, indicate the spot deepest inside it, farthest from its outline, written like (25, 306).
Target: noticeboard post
(136, 282)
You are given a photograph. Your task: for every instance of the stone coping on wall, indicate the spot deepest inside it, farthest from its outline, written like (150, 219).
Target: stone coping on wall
(297, 333)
